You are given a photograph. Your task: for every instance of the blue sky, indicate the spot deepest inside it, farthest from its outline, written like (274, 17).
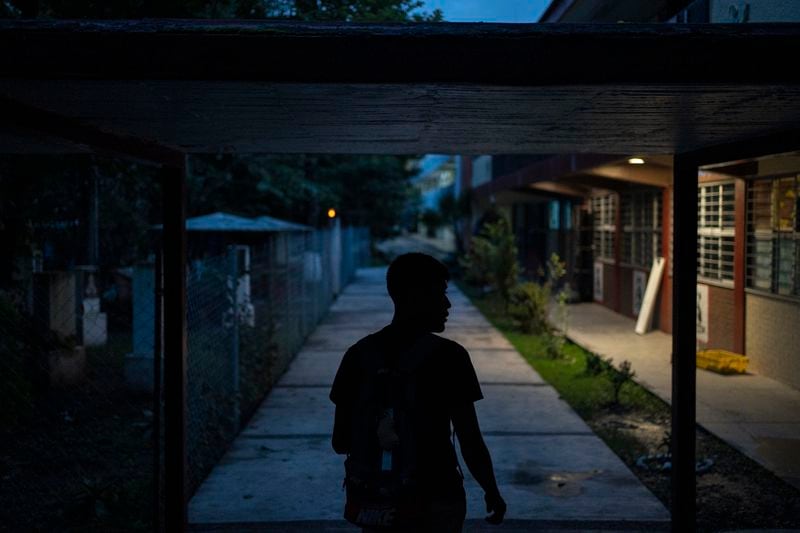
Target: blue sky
(489, 10)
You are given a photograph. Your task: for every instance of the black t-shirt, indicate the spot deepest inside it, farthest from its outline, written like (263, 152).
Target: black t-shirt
(444, 379)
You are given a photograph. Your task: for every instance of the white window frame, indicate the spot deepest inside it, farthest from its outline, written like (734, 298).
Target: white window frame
(638, 230)
(770, 250)
(604, 212)
(717, 234)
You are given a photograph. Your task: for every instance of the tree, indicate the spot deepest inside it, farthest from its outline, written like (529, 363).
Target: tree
(456, 211)
(493, 258)
(366, 190)
(306, 10)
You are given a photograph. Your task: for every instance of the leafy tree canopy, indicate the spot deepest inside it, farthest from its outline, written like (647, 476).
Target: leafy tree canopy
(306, 10)
(365, 190)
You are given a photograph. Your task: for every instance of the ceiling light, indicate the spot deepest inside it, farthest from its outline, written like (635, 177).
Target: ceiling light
(636, 161)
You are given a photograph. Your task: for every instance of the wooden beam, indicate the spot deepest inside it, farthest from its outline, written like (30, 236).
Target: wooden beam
(552, 168)
(508, 54)
(564, 189)
(656, 176)
(47, 124)
(175, 351)
(684, 334)
(721, 156)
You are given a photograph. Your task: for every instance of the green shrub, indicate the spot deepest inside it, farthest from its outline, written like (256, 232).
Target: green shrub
(596, 365)
(492, 259)
(528, 304)
(18, 345)
(620, 377)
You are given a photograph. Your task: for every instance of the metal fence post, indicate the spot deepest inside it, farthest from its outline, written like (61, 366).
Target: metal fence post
(174, 234)
(233, 298)
(336, 256)
(157, 337)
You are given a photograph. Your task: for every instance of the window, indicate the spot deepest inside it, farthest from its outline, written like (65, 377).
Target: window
(604, 209)
(641, 227)
(715, 232)
(773, 235)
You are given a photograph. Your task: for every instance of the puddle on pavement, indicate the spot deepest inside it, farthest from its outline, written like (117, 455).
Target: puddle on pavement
(557, 484)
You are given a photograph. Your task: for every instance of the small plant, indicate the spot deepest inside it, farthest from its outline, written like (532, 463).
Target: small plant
(492, 259)
(596, 365)
(556, 269)
(528, 307)
(555, 346)
(620, 377)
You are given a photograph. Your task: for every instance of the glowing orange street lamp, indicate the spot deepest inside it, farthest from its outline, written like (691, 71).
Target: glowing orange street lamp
(331, 213)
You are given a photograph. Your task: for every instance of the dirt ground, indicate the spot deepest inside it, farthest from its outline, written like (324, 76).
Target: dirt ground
(83, 461)
(734, 492)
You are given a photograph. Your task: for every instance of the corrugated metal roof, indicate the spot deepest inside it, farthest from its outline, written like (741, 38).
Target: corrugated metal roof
(220, 221)
(276, 224)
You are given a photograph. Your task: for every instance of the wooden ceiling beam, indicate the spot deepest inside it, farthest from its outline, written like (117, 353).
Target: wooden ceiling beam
(80, 137)
(496, 54)
(656, 176)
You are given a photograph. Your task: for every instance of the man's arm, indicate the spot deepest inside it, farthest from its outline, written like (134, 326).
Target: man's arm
(476, 456)
(341, 430)
(342, 396)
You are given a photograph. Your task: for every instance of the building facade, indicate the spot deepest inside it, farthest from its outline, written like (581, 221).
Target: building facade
(617, 213)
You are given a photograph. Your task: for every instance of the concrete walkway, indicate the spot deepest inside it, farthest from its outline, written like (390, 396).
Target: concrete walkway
(281, 473)
(757, 415)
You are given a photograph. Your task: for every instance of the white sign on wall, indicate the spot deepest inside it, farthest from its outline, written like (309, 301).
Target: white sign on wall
(639, 285)
(702, 313)
(598, 281)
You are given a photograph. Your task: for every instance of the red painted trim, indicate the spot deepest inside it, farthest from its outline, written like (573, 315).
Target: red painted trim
(618, 254)
(739, 272)
(665, 314)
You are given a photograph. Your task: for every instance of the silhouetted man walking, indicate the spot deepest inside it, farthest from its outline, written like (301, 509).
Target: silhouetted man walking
(397, 392)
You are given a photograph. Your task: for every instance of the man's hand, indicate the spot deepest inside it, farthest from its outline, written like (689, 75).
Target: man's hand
(496, 506)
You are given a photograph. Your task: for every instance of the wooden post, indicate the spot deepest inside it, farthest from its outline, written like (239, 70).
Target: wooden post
(174, 253)
(739, 265)
(684, 334)
(157, 343)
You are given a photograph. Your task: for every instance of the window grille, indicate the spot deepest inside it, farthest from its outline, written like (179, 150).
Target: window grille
(604, 209)
(773, 235)
(715, 232)
(641, 227)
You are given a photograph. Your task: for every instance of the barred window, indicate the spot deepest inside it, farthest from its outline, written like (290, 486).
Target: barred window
(773, 235)
(604, 209)
(715, 232)
(641, 227)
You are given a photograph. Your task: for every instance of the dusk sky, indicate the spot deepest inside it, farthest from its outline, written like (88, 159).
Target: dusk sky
(489, 10)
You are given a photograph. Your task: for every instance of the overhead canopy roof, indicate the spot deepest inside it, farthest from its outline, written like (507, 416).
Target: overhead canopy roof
(227, 222)
(207, 87)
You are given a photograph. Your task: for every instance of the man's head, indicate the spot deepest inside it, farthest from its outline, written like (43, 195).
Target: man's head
(417, 284)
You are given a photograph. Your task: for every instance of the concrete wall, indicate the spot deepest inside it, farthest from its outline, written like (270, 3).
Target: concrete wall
(626, 292)
(772, 338)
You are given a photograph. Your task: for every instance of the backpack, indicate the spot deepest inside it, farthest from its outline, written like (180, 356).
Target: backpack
(381, 480)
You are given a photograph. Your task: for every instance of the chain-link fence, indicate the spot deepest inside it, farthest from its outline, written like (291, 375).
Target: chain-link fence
(76, 441)
(250, 310)
(81, 436)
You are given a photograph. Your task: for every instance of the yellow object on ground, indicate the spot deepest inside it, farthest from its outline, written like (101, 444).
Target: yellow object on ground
(722, 361)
